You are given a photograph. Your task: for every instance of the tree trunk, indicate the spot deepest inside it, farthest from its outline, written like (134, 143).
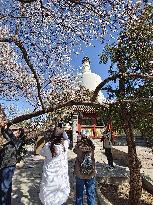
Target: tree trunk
(133, 161)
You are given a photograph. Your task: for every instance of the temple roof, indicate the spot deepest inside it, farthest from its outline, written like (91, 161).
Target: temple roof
(84, 108)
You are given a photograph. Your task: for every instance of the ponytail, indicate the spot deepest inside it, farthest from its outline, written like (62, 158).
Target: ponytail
(56, 140)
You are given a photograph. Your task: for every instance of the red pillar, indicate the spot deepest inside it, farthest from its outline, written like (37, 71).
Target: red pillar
(79, 125)
(94, 127)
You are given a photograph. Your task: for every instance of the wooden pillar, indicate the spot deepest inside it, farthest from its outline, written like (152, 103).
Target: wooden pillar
(79, 125)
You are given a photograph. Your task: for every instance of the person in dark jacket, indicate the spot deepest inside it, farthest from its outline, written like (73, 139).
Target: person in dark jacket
(8, 160)
(108, 148)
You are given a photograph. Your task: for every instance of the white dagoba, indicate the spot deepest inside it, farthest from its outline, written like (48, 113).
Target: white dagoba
(90, 80)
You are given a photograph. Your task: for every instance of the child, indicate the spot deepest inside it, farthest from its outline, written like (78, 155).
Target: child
(55, 188)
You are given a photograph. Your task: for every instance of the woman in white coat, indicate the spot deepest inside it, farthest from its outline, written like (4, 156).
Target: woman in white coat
(55, 188)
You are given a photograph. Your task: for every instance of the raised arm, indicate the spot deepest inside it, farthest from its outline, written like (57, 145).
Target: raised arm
(8, 135)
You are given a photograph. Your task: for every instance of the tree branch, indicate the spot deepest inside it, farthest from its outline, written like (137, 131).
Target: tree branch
(116, 76)
(22, 118)
(27, 1)
(131, 100)
(51, 109)
(20, 45)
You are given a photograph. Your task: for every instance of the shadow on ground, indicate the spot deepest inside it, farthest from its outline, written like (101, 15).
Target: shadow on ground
(27, 179)
(26, 183)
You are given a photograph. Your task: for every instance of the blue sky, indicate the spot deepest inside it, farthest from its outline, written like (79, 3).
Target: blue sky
(93, 53)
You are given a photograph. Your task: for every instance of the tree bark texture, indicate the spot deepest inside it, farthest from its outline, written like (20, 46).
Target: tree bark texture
(133, 161)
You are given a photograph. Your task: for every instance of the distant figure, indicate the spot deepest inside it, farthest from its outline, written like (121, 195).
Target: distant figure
(108, 148)
(55, 188)
(9, 152)
(85, 171)
(79, 136)
(102, 140)
(68, 129)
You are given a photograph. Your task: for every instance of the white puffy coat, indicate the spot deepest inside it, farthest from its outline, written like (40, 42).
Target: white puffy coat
(55, 188)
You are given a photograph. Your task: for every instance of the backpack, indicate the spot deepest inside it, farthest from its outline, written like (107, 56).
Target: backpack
(87, 165)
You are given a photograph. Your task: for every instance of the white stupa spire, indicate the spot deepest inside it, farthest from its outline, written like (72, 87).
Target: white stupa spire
(86, 65)
(90, 80)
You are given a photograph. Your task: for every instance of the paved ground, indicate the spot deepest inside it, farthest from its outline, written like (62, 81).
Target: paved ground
(28, 175)
(27, 178)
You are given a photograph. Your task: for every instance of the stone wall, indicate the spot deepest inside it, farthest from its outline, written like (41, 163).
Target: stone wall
(121, 140)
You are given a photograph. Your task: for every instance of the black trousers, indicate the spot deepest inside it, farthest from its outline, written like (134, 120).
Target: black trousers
(109, 156)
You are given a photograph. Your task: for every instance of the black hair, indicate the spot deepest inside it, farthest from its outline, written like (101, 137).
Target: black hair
(87, 141)
(55, 140)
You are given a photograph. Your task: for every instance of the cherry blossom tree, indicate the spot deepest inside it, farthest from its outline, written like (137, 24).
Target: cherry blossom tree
(42, 35)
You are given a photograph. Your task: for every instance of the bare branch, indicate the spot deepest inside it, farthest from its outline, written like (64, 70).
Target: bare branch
(131, 101)
(27, 1)
(51, 109)
(116, 76)
(14, 17)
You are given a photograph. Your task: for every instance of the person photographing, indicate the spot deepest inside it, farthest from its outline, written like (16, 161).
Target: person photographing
(85, 170)
(13, 140)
